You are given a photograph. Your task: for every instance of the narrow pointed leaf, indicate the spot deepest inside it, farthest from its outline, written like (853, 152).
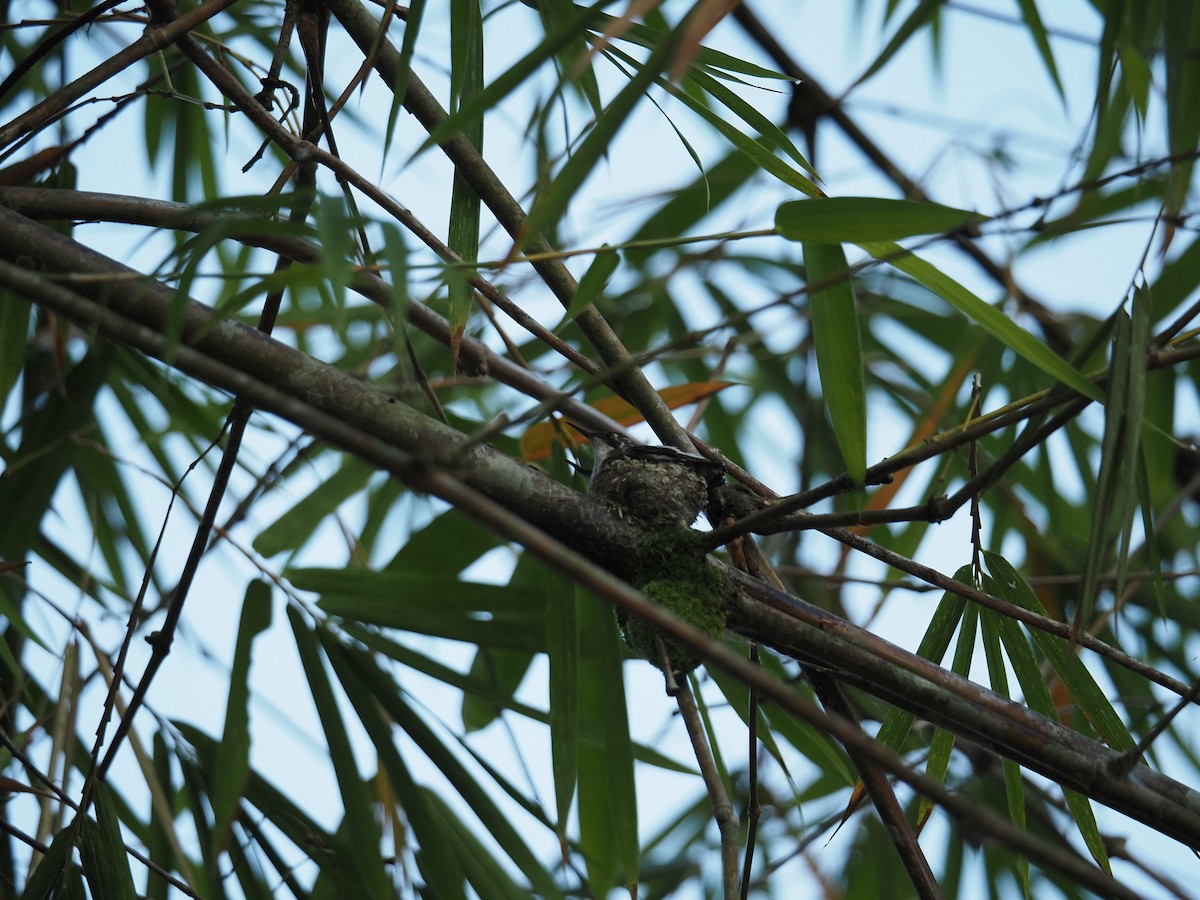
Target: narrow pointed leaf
(591, 285)
(1037, 695)
(54, 868)
(838, 344)
(564, 647)
(1085, 692)
(380, 686)
(105, 863)
(233, 758)
(607, 798)
(294, 527)
(552, 202)
(859, 220)
(988, 317)
(363, 833)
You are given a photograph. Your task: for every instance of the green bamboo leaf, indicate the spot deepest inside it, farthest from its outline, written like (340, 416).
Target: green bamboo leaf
(31, 476)
(988, 317)
(429, 604)
(769, 132)
(436, 855)
(474, 107)
(937, 766)
(575, 59)
(233, 758)
(645, 35)
(1180, 33)
(382, 688)
(1135, 71)
(1037, 695)
(362, 832)
(996, 632)
(14, 334)
(482, 870)
(412, 27)
(1153, 558)
(858, 220)
(591, 285)
(607, 796)
(689, 205)
(394, 253)
(1116, 483)
(1130, 484)
(838, 344)
(335, 231)
(813, 745)
(759, 150)
(292, 529)
(1087, 695)
(449, 543)
(466, 80)
(1014, 791)
(162, 840)
(552, 201)
(1037, 30)
(503, 670)
(420, 662)
(1110, 133)
(925, 13)
(564, 647)
(279, 809)
(933, 646)
(377, 592)
(105, 864)
(55, 869)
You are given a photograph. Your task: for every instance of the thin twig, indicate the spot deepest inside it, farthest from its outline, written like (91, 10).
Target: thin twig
(723, 812)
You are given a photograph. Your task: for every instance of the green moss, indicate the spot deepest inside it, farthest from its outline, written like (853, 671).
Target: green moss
(698, 598)
(669, 552)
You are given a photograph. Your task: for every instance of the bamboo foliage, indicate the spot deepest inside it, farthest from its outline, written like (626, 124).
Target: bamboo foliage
(301, 388)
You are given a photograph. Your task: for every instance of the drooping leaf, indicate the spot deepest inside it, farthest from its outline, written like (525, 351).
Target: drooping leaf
(362, 831)
(105, 863)
(838, 346)
(233, 759)
(607, 797)
(859, 220)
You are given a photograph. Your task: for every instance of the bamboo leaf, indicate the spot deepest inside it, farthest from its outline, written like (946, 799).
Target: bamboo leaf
(858, 220)
(474, 107)
(482, 870)
(362, 832)
(55, 870)
(1037, 30)
(1037, 695)
(14, 334)
(292, 529)
(897, 723)
(925, 13)
(937, 766)
(233, 758)
(838, 345)
(437, 851)
(105, 865)
(591, 285)
(466, 80)
(759, 150)
(502, 671)
(552, 202)
(378, 686)
(1092, 701)
(607, 797)
(564, 647)
(988, 317)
